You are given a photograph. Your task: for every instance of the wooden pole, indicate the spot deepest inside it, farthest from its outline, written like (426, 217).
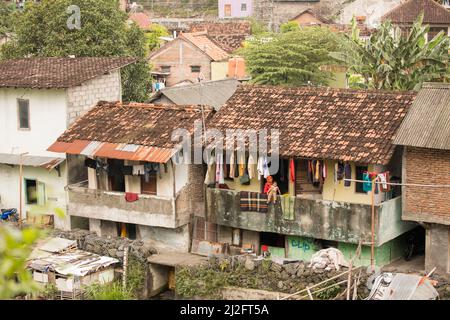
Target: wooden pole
(372, 244)
(125, 268)
(20, 187)
(349, 279)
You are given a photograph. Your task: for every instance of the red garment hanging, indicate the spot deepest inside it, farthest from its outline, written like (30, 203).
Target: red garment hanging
(131, 197)
(292, 170)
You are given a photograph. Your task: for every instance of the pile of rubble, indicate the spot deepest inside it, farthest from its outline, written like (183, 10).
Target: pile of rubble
(112, 247)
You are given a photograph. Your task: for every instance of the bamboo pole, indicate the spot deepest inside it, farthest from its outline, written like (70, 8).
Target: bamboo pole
(323, 289)
(318, 284)
(349, 279)
(309, 294)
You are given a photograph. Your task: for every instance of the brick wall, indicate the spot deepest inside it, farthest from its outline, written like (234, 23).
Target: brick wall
(427, 166)
(191, 199)
(180, 56)
(81, 98)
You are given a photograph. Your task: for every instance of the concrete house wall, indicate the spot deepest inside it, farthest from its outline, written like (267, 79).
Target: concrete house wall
(180, 55)
(51, 111)
(236, 8)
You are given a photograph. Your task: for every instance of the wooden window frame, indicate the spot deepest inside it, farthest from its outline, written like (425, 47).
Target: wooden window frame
(18, 115)
(196, 66)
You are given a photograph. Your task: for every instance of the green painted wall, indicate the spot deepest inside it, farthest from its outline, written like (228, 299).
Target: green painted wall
(301, 248)
(277, 252)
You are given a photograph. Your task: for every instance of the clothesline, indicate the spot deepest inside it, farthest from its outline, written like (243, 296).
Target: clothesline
(402, 184)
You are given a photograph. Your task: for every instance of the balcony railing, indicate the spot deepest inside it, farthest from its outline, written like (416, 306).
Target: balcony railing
(111, 205)
(321, 219)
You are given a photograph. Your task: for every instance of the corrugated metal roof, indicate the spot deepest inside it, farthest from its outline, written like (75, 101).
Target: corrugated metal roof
(211, 93)
(29, 160)
(58, 254)
(427, 123)
(114, 150)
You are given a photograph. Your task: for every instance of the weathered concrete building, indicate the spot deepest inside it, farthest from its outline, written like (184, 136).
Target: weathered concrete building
(190, 58)
(39, 98)
(425, 135)
(131, 184)
(326, 136)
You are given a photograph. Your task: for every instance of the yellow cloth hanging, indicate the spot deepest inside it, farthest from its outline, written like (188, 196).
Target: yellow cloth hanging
(123, 230)
(317, 173)
(241, 165)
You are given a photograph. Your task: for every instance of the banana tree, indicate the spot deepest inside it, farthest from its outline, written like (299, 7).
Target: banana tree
(393, 59)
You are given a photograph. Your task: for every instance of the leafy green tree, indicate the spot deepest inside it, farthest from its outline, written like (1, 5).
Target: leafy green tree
(289, 26)
(395, 60)
(15, 247)
(41, 30)
(292, 58)
(152, 36)
(6, 16)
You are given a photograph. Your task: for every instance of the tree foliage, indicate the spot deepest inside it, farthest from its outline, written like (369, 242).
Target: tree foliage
(291, 58)
(152, 36)
(15, 247)
(395, 60)
(41, 30)
(6, 16)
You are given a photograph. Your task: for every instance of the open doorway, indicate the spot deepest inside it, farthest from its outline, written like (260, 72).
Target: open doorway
(274, 243)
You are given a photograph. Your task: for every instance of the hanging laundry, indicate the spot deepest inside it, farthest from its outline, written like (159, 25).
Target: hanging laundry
(253, 201)
(138, 170)
(266, 168)
(241, 162)
(101, 166)
(232, 165)
(310, 171)
(219, 169)
(367, 184)
(347, 174)
(127, 170)
(317, 171)
(251, 166)
(131, 197)
(324, 170)
(260, 167)
(384, 179)
(282, 170)
(292, 170)
(287, 205)
(90, 163)
(210, 172)
(340, 170)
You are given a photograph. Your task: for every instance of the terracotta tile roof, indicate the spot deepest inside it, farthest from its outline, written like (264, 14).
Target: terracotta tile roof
(205, 44)
(225, 27)
(228, 35)
(315, 15)
(228, 42)
(135, 123)
(56, 72)
(141, 19)
(407, 12)
(321, 123)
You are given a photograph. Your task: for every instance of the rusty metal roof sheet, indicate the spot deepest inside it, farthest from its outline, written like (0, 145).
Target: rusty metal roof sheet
(114, 150)
(427, 124)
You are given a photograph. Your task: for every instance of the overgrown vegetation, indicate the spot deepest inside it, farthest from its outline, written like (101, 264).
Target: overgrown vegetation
(207, 281)
(394, 60)
(293, 58)
(15, 247)
(115, 289)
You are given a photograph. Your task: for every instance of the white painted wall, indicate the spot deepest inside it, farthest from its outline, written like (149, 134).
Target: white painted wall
(47, 120)
(55, 195)
(372, 9)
